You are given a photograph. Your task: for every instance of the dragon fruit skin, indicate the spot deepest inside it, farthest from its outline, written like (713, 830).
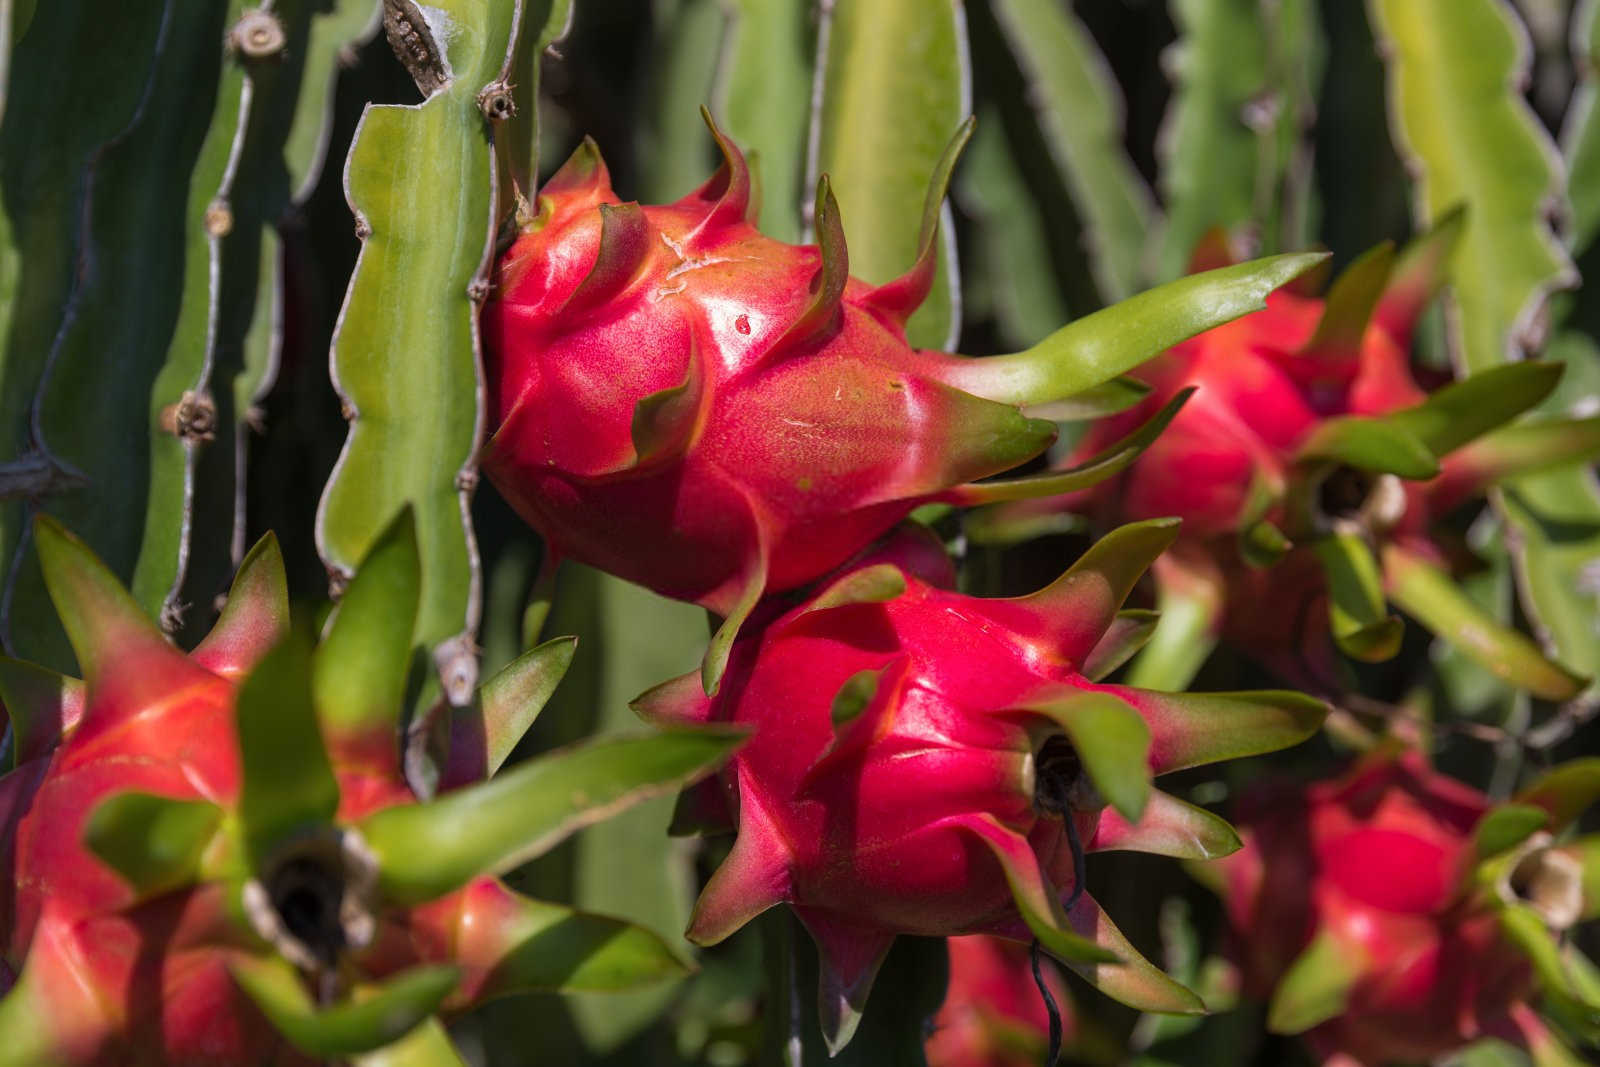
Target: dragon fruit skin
(110, 973)
(993, 1014)
(882, 684)
(805, 426)
(1374, 864)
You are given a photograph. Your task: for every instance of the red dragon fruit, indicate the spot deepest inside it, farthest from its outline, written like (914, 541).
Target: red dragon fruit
(1308, 444)
(929, 763)
(215, 859)
(993, 1014)
(1395, 915)
(688, 404)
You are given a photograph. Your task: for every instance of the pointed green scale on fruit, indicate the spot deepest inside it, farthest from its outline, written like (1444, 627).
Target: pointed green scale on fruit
(43, 707)
(829, 282)
(255, 617)
(287, 784)
(1190, 596)
(125, 659)
(1261, 544)
(876, 584)
(526, 946)
(584, 171)
(154, 843)
(1350, 304)
(358, 673)
(1168, 827)
(1111, 740)
(1565, 791)
(363, 1022)
(679, 701)
(853, 697)
(1357, 612)
(1419, 272)
(755, 876)
(896, 300)
(1092, 471)
(1126, 635)
(1073, 612)
(848, 961)
(721, 644)
(1035, 897)
(1560, 966)
(1470, 408)
(625, 246)
(1189, 729)
(1428, 595)
(1101, 346)
(729, 191)
(427, 850)
(1506, 827)
(1369, 444)
(666, 422)
(1133, 980)
(483, 734)
(1316, 987)
(1526, 448)
(1108, 398)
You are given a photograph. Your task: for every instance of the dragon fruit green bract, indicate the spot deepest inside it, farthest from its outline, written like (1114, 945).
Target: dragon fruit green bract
(1384, 915)
(191, 838)
(929, 763)
(688, 404)
(1309, 469)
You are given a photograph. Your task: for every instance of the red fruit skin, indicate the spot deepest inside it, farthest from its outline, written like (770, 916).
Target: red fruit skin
(868, 841)
(840, 820)
(993, 1015)
(1375, 859)
(801, 436)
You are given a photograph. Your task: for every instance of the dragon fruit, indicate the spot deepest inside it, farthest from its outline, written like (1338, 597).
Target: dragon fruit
(929, 763)
(1309, 468)
(993, 1014)
(686, 403)
(1393, 914)
(215, 858)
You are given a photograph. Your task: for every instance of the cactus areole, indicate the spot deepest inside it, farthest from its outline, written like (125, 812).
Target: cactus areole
(929, 763)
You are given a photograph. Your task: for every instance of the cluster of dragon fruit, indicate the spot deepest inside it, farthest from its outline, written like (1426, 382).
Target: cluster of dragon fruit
(222, 856)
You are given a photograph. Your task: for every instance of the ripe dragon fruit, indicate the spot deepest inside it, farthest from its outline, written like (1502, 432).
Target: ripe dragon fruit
(993, 1014)
(929, 763)
(215, 858)
(1394, 914)
(686, 403)
(1309, 468)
